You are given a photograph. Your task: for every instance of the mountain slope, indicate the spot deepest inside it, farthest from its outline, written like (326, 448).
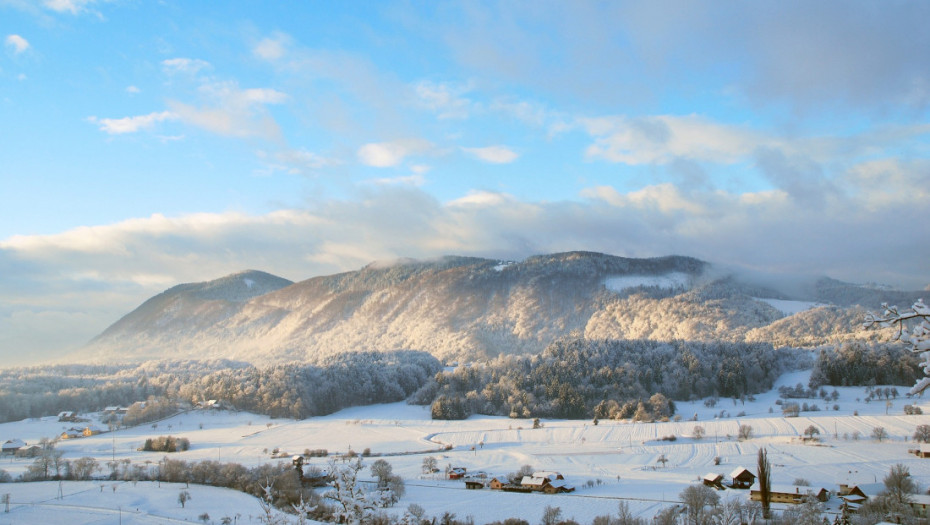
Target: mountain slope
(453, 307)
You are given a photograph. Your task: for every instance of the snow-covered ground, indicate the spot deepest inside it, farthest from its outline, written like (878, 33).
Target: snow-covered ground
(122, 502)
(607, 463)
(789, 307)
(669, 281)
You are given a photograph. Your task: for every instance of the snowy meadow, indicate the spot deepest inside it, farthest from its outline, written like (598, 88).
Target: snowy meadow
(646, 465)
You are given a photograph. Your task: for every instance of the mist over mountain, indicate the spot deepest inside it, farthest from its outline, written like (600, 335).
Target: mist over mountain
(472, 308)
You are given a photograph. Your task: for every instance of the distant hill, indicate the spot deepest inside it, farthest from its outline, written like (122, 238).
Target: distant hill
(469, 308)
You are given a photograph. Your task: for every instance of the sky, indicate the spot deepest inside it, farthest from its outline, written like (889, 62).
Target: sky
(149, 143)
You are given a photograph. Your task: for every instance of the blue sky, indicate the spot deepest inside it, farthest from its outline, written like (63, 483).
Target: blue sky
(150, 143)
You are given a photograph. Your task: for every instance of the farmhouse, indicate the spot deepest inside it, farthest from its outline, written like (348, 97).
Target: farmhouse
(920, 503)
(854, 496)
(922, 452)
(742, 478)
(496, 484)
(91, 430)
(67, 416)
(11, 446)
(457, 473)
(548, 482)
(473, 485)
(72, 433)
(790, 493)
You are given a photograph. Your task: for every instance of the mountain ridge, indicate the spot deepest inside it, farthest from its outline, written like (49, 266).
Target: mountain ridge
(455, 307)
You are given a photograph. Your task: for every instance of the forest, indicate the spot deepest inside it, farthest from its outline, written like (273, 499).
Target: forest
(573, 378)
(582, 378)
(294, 390)
(862, 364)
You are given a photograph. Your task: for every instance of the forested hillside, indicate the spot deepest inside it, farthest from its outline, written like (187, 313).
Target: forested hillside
(471, 309)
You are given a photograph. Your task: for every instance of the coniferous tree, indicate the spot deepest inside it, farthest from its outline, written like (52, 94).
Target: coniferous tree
(764, 474)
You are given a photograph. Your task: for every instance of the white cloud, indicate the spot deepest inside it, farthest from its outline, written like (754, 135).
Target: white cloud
(481, 199)
(295, 161)
(409, 180)
(187, 66)
(232, 111)
(133, 90)
(662, 139)
(17, 44)
(493, 154)
(264, 96)
(445, 99)
(72, 6)
(273, 48)
(388, 154)
(119, 126)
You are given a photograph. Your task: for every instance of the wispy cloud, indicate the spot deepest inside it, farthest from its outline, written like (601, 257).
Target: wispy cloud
(295, 161)
(389, 154)
(70, 6)
(664, 138)
(231, 111)
(119, 126)
(272, 48)
(445, 99)
(17, 44)
(493, 154)
(187, 66)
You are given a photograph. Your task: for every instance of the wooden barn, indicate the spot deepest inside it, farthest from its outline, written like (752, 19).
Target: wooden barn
(742, 478)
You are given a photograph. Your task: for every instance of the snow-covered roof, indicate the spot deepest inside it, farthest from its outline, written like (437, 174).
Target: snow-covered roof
(739, 472)
(548, 474)
(869, 489)
(533, 481)
(713, 476)
(13, 444)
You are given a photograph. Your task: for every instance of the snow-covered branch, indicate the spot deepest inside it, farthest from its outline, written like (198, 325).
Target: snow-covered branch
(916, 337)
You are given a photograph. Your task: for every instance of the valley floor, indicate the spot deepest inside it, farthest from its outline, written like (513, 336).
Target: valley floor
(607, 463)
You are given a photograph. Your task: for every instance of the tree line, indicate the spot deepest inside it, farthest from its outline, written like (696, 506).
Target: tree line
(292, 390)
(577, 378)
(859, 363)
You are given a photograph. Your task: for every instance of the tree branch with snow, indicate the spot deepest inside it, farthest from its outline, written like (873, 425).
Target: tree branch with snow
(913, 330)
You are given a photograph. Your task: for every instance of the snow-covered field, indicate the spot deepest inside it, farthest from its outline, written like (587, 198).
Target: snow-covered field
(670, 281)
(790, 307)
(607, 463)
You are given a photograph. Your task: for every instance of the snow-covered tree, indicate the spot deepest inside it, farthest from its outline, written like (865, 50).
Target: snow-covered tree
(696, 499)
(913, 329)
(351, 504)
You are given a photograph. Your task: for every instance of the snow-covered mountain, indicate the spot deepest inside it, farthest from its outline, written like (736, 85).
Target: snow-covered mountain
(468, 308)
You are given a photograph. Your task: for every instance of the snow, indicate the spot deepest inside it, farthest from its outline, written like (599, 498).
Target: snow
(790, 307)
(249, 283)
(668, 281)
(106, 502)
(611, 462)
